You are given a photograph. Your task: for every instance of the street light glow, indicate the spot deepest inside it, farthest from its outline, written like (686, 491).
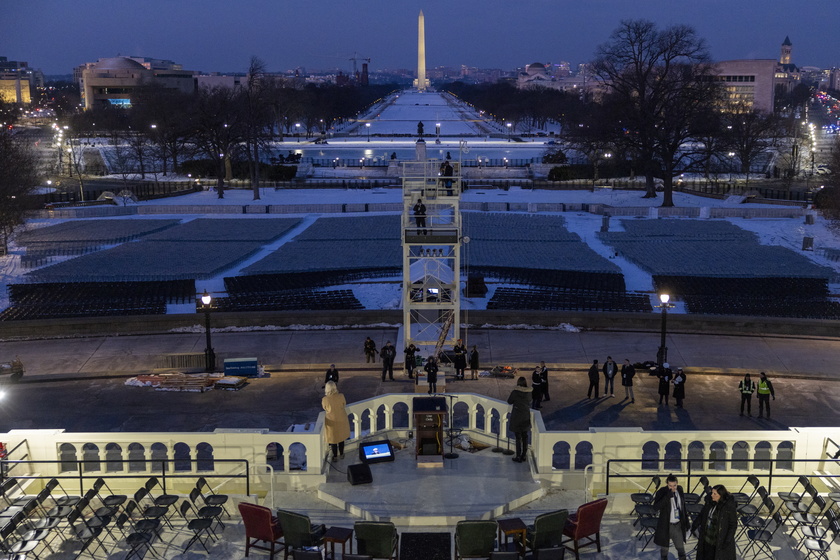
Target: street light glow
(206, 298)
(664, 298)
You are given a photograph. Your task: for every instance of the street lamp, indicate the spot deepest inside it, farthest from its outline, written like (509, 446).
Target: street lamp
(367, 126)
(437, 132)
(662, 354)
(297, 131)
(510, 131)
(209, 354)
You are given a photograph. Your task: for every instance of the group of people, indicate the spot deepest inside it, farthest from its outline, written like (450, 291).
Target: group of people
(610, 371)
(764, 388)
(460, 360)
(539, 386)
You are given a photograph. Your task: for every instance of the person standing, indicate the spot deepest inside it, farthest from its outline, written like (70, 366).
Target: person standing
(474, 362)
(520, 417)
(431, 368)
(370, 351)
(331, 375)
(679, 387)
(536, 389)
(593, 380)
(388, 354)
(746, 387)
(717, 524)
(765, 391)
(664, 374)
(544, 377)
(610, 371)
(410, 360)
(628, 372)
(336, 423)
(420, 216)
(460, 359)
(672, 524)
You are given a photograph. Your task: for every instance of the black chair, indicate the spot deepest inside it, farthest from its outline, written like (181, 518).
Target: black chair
(164, 500)
(761, 538)
(742, 497)
(154, 511)
(199, 526)
(110, 499)
(646, 497)
(816, 532)
(819, 548)
(211, 498)
(143, 524)
(693, 497)
(137, 542)
(211, 512)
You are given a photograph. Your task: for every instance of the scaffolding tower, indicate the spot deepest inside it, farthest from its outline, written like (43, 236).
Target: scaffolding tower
(431, 255)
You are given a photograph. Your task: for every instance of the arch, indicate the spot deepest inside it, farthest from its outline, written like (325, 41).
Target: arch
(400, 415)
(583, 455)
(561, 457)
(461, 415)
(495, 422)
(351, 418)
(740, 456)
(696, 455)
(784, 455)
(673, 456)
(67, 456)
(113, 458)
(650, 456)
(381, 411)
(365, 424)
(90, 456)
(160, 456)
(274, 456)
(136, 457)
(297, 457)
(479, 417)
(763, 454)
(181, 457)
(204, 460)
(717, 456)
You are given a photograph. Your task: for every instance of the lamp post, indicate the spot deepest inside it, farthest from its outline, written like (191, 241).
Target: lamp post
(209, 354)
(297, 131)
(510, 130)
(367, 126)
(437, 133)
(662, 354)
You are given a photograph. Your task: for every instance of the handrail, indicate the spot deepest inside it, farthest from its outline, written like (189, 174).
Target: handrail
(270, 481)
(836, 455)
(587, 494)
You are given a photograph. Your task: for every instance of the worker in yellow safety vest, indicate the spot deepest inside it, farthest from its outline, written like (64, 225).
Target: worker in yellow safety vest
(765, 391)
(746, 387)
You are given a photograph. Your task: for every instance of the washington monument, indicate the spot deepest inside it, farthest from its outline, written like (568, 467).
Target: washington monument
(421, 83)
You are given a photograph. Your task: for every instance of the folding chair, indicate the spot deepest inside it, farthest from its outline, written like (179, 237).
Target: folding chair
(742, 497)
(646, 497)
(199, 526)
(809, 517)
(693, 497)
(761, 538)
(138, 542)
(815, 530)
(163, 500)
(153, 511)
(110, 499)
(83, 533)
(819, 548)
(790, 495)
(212, 512)
(211, 499)
(144, 525)
(800, 505)
(750, 518)
(10, 543)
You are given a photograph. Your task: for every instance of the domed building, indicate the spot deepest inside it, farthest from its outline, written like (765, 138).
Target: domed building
(112, 81)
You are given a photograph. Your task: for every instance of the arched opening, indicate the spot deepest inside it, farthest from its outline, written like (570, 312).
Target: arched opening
(113, 458)
(297, 457)
(136, 458)
(561, 457)
(461, 415)
(583, 455)
(274, 456)
(365, 428)
(400, 419)
(380, 418)
(673, 456)
(784, 456)
(181, 459)
(650, 456)
(479, 417)
(67, 456)
(159, 457)
(740, 456)
(495, 423)
(696, 455)
(90, 456)
(717, 456)
(204, 460)
(761, 459)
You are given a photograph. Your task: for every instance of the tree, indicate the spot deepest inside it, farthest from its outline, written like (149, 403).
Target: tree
(663, 79)
(749, 133)
(219, 129)
(256, 118)
(18, 178)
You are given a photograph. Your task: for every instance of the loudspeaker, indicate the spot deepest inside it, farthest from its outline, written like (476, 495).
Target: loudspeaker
(359, 474)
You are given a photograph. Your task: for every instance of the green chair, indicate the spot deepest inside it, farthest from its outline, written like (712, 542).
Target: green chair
(299, 531)
(378, 539)
(475, 539)
(547, 530)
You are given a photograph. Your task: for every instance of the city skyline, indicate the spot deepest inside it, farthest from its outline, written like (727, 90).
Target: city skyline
(217, 36)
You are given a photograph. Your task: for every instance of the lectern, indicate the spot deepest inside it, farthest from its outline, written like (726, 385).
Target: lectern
(429, 414)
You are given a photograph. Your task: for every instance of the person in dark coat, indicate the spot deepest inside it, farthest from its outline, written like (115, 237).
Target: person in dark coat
(672, 524)
(520, 417)
(431, 368)
(420, 216)
(536, 389)
(593, 380)
(664, 374)
(679, 387)
(628, 372)
(473, 357)
(746, 387)
(544, 376)
(331, 375)
(460, 361)
(765, 391)
(717, 525)
(610, 372)
(370, 351)
(410, 360)
(388, 354)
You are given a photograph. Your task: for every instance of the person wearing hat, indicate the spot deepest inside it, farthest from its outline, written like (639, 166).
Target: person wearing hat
(679, 387)
(765, 391)
(746, 387)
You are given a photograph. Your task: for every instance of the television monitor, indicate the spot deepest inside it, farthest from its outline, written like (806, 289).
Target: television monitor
(376, 451)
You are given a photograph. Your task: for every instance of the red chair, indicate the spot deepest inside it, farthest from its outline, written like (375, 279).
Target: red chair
(262, 527)
(584, 523)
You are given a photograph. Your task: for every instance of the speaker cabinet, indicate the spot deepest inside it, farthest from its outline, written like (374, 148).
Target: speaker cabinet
(359, 474)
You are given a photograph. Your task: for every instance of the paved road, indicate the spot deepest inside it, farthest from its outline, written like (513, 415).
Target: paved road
(78, 384)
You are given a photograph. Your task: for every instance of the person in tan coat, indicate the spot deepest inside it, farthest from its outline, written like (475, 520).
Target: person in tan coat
(336, 424)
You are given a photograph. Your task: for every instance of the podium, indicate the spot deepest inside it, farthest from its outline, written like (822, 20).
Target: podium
(429, 416)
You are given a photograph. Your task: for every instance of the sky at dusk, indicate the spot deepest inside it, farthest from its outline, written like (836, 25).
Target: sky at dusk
(222, 35)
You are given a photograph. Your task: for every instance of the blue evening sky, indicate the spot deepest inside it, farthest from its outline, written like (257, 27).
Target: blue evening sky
(222, 35)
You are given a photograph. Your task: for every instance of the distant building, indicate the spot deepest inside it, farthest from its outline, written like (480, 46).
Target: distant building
(113, 81)
(18, 81)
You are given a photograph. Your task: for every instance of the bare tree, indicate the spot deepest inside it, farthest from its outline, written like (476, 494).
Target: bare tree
(18, 178)
(750, 133)
(256, 118)
(219, 129)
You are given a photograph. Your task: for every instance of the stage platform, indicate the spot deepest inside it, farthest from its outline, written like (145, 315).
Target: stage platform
(480, 485)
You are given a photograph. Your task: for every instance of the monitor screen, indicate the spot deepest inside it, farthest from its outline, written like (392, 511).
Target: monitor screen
(376, 451)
